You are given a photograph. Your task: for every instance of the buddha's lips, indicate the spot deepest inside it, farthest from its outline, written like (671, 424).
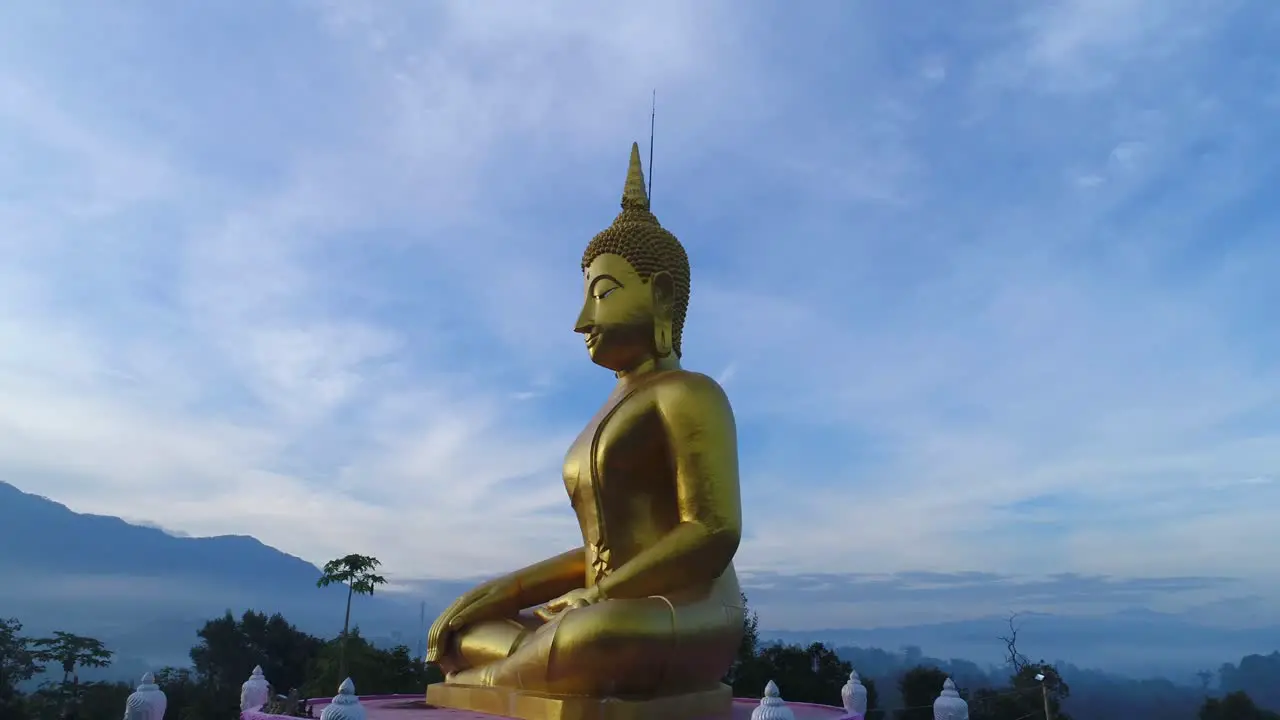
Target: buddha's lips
(591, 339)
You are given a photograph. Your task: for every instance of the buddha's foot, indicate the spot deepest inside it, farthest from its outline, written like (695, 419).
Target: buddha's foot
(474, 676)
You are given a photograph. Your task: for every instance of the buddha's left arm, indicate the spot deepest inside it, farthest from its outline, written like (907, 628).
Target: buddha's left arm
(703, 439)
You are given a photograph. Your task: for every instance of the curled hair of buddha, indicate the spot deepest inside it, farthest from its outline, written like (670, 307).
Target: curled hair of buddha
(636, 236)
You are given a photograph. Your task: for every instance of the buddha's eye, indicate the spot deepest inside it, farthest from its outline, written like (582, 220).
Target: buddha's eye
(606, 293)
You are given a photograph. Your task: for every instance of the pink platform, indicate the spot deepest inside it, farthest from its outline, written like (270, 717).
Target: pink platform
(409, 707)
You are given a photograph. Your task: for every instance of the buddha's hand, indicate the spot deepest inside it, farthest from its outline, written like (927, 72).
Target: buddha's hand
(486, 601)
(582, 597)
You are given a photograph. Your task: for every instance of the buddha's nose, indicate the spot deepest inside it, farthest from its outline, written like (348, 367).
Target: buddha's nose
(586, 320)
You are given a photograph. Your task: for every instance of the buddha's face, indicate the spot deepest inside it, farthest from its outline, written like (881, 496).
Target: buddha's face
(617, 314)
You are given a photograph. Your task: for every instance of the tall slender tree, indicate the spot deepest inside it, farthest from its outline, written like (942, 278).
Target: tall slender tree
(356, 572)
(72, 651)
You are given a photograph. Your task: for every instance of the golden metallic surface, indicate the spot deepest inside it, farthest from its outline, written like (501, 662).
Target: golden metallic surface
(709, 705)
(647, 614)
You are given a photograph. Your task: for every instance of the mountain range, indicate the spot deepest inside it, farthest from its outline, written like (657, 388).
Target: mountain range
(146, 592)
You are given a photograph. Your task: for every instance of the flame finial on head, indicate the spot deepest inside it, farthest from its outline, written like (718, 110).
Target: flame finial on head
(634, 196)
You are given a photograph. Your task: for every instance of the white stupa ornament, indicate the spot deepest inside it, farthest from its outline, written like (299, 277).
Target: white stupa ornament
(345, 705)
(772, 706)
(148, 702)
(854, 696)
(255, 691)
(949, 705)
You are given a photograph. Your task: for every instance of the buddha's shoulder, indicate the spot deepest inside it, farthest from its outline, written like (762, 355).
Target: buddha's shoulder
(684, 387)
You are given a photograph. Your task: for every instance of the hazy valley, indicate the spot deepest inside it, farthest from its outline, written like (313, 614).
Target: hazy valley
(145, 593)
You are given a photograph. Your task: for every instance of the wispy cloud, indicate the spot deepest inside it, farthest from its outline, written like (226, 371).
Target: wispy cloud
(831, 600)
(989, 292)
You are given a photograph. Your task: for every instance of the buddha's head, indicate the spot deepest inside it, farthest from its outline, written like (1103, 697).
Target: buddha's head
(636, 278)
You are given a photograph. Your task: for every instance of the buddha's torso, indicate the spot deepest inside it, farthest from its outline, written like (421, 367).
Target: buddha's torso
(620, 476)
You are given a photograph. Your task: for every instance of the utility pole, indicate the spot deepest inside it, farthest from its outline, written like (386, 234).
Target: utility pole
(422, 632)
(1044, 693)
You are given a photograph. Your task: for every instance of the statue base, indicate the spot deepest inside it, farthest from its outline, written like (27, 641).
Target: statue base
(711, 704)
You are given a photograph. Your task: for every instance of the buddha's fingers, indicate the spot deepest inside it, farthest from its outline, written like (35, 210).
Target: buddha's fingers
(482, 608)
(544, 613)
(441, 627)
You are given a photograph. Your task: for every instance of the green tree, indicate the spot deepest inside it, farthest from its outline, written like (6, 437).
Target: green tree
(380, 672)
(919, 686)
(750, 631)
(72, 651)
(102, 700)
(190, 699)
(1257, 675)
(1234, 706)
(812, 674)
(1053, 685)
(94, 701)
(229, 649)
(747, 647)
(1003, 704)
(183, 694)
(356, 572)
(18, 664)
(1024, 697)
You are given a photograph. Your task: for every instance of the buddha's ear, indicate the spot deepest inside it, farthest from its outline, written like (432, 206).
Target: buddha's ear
(663, 287)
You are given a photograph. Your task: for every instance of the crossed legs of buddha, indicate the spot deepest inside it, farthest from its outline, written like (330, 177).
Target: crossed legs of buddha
(641, 647)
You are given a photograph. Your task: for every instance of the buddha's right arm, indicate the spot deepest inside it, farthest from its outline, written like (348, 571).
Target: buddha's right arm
(544, 581)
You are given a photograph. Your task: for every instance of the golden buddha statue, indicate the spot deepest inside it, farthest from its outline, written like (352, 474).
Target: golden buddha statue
(644, 619)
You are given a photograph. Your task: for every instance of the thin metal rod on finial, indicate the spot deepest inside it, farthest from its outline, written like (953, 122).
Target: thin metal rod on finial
(653, 113)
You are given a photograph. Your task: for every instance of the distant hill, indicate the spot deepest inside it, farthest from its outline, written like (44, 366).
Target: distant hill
(52, 536)
(145, 592)
(1138, 643)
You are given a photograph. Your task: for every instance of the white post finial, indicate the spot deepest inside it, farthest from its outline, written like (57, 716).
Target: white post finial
(854, 696)
(345, 705)
(256, 691)
(148, 702)
(949, 705)
(772, 707)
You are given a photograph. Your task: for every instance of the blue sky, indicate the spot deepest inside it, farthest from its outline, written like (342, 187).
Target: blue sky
(987, 282)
